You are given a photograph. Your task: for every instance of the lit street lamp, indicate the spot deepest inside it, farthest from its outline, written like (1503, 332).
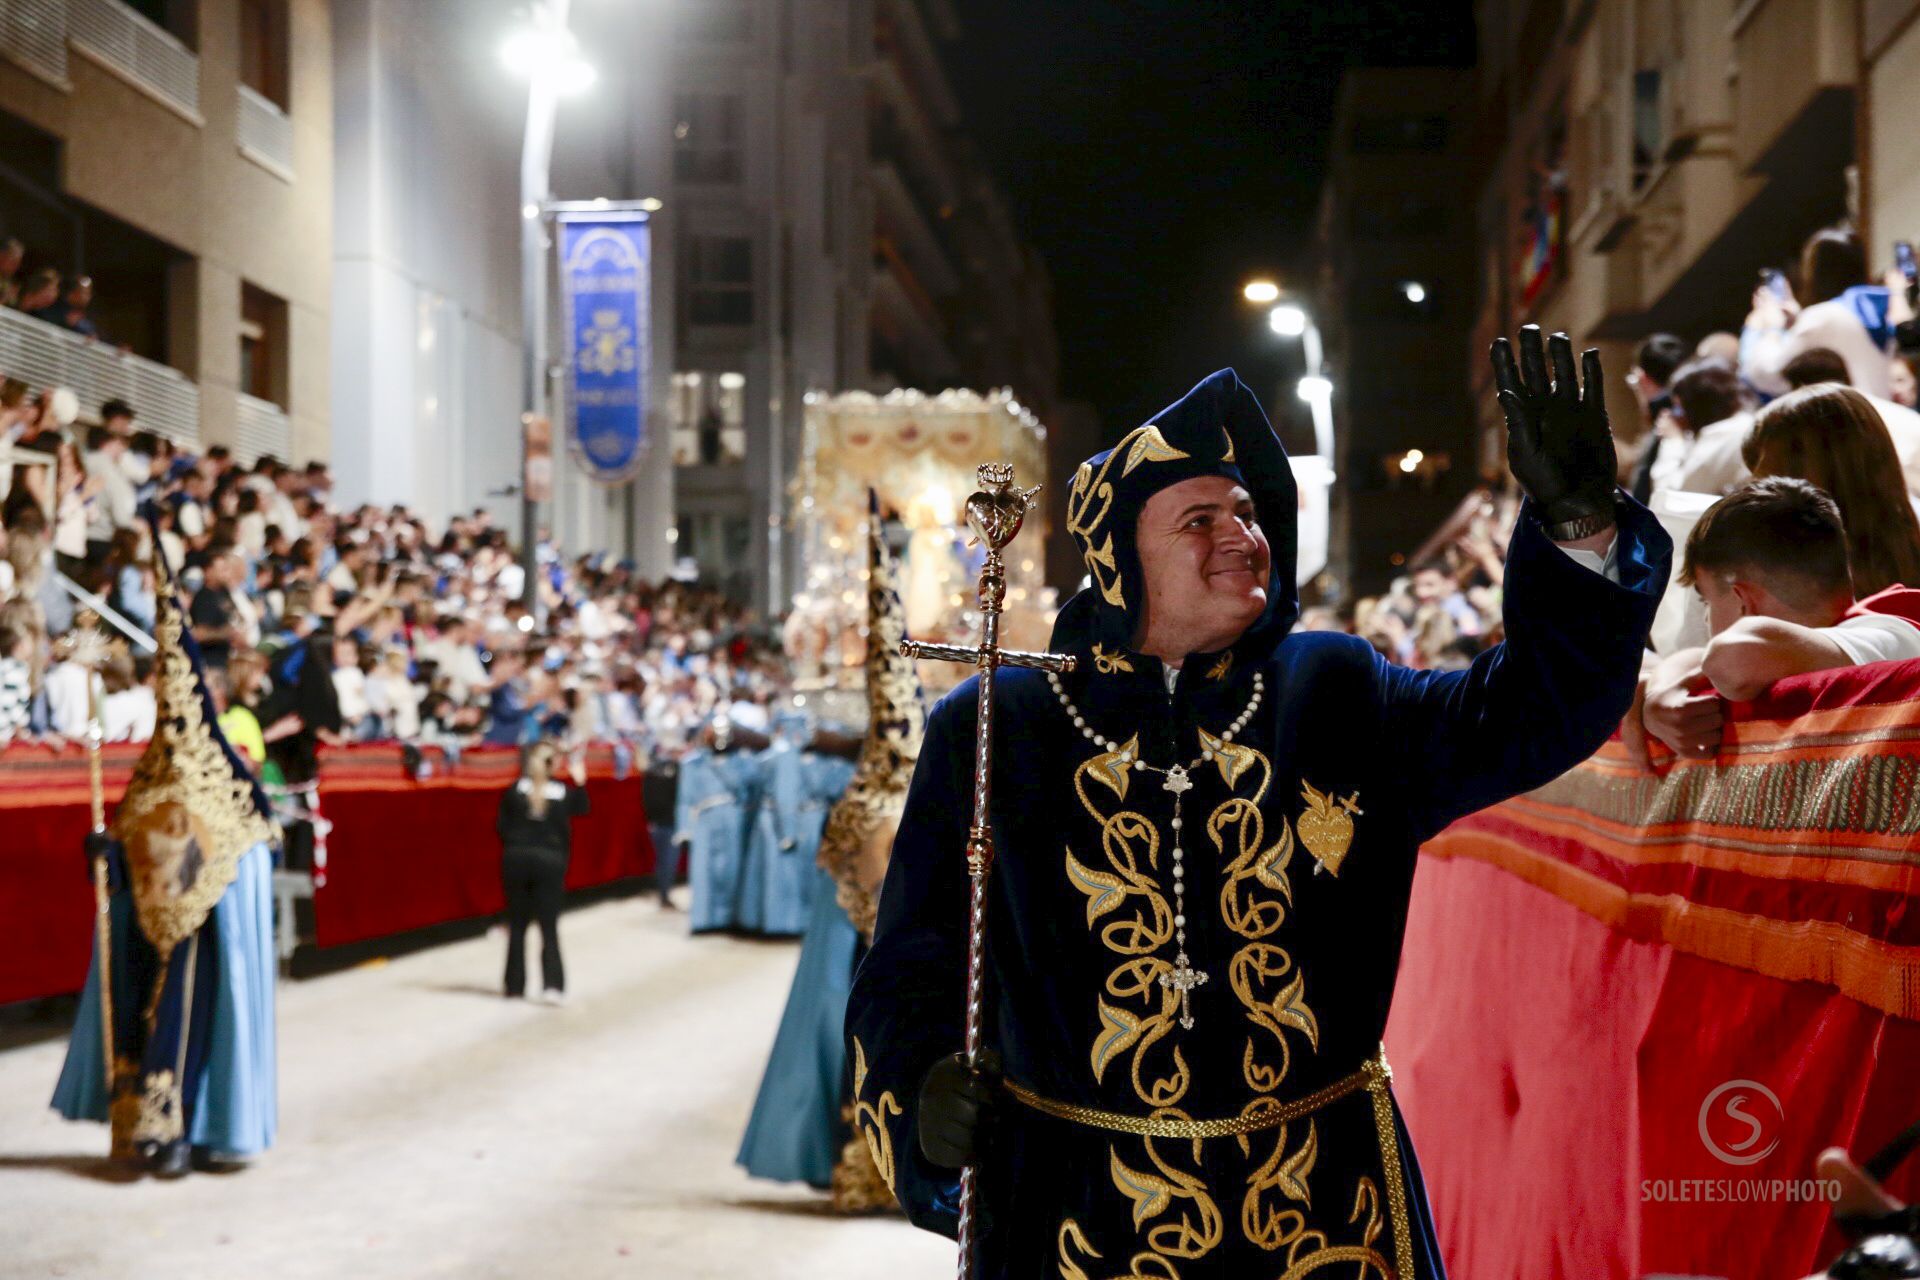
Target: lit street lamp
(1288, 320)
(545, 52)
(1313, 473)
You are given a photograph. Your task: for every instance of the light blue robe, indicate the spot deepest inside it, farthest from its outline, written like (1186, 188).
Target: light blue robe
(717, 797)
(777, 881)
(236, 1105)
(795, 1132)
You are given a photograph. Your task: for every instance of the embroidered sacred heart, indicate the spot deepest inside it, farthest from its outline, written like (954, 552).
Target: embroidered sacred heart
(1326, 828)
(997, 510)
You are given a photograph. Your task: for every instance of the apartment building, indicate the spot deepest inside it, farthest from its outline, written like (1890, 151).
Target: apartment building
(836, 231)
(180, 155)
(426, 258)
(1395, 296)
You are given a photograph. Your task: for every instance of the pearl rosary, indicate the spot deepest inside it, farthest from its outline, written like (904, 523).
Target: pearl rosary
(1183, 977)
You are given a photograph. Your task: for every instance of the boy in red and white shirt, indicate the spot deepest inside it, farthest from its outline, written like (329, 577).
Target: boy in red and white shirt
(1770, 562)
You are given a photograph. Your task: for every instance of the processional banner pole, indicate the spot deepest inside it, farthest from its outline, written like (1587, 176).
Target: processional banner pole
(994, 513)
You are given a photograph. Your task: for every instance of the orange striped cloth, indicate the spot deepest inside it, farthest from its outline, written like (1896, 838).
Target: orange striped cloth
(1794, 854)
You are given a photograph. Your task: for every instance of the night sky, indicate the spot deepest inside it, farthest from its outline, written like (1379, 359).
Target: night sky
(1161, 152)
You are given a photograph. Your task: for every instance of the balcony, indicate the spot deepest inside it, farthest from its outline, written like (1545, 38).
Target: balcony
(904, 219)
(265, 133)
(901, 131)
(1794, 66)
(904, 314)
(262, 430)
(147, 57)
(33, 33)
(45, 355)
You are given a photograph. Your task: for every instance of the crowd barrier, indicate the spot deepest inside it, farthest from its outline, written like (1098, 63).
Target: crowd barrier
(1633, 1009)
(403, 853)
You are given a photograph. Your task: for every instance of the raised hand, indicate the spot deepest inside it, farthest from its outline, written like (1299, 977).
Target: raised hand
(1558, 442)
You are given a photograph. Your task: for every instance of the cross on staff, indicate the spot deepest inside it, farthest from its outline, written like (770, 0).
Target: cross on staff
(995, 513)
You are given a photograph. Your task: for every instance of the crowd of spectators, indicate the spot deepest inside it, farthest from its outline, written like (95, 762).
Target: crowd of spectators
(45, 293)
(324, 625)
(1784, 459)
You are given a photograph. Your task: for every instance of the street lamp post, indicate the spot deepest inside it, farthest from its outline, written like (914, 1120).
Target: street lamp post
(544, 51)
(1291, 320)
(1314, 473)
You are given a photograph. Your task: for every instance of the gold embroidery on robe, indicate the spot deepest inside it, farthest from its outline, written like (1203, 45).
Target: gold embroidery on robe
(871, 1117)
(1326, 828)
(1170, 1206)
(1090, 502)
(1108, 663)
(1149, 446)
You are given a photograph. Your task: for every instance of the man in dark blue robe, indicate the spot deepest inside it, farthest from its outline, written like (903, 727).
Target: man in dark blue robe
(1205, 841)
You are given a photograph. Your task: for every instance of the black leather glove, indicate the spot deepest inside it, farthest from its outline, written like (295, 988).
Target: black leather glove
(956, 1112)
(1558, 442)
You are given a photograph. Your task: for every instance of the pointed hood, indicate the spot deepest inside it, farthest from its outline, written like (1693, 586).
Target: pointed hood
(860, 829)
(1216, 429)
(192, 807)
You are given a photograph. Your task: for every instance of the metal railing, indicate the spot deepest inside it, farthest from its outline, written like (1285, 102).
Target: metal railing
(108, 614)
(145, 54)
(265, 133)
(262, 430)
(34, 34)
(45, 355)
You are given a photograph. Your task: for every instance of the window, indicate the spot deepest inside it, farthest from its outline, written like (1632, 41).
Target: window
(709, 418)
(720, 280)
(263, 345)
(1398, 216)
(178, 18)
(708, 137)
(713, 22)
(1649, 126)
(1398, 134)
(263, 49)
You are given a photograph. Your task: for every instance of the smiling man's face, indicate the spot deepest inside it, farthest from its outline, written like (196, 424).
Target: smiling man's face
(1206, 562)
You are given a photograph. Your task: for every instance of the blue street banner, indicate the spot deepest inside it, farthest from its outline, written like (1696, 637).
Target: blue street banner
(606, 280)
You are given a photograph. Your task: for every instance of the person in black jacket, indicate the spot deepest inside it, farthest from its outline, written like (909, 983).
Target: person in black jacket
(536, 837)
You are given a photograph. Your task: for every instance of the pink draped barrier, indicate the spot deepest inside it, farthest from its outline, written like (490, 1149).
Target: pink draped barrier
(1634, 1008)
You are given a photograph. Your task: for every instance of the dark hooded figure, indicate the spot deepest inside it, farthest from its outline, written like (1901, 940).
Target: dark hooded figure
(1205, 842)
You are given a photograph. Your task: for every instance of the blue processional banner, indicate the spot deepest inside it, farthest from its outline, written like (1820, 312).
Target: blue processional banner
(606, 281)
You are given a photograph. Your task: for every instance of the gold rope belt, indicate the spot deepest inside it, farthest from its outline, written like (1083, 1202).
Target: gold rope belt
(1372, 1076)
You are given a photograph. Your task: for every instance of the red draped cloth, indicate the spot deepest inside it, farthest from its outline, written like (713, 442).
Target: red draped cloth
(403, 853)
(1601, 978)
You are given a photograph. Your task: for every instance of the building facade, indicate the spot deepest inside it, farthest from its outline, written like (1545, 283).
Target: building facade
(1642, 162)
(835, 232)
(1395, 297)
(426, 259)
(180, 155)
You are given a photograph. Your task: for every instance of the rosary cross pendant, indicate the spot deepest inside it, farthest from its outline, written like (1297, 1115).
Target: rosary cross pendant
(1183, 977)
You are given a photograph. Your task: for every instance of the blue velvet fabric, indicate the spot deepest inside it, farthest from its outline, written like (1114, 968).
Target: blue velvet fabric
(1301, 960)
(795, 1132)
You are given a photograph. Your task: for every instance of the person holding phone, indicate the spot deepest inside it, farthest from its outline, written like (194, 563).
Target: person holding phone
(1841, 311)
(536, 838)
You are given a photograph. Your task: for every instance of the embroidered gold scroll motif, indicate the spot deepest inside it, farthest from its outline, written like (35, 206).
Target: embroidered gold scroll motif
(871, 1117)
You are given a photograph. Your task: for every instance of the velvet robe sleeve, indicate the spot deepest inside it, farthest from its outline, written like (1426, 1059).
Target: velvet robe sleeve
(1538, 704)
(908, 1003)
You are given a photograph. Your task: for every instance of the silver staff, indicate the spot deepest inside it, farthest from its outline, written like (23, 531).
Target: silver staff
(995, 514)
